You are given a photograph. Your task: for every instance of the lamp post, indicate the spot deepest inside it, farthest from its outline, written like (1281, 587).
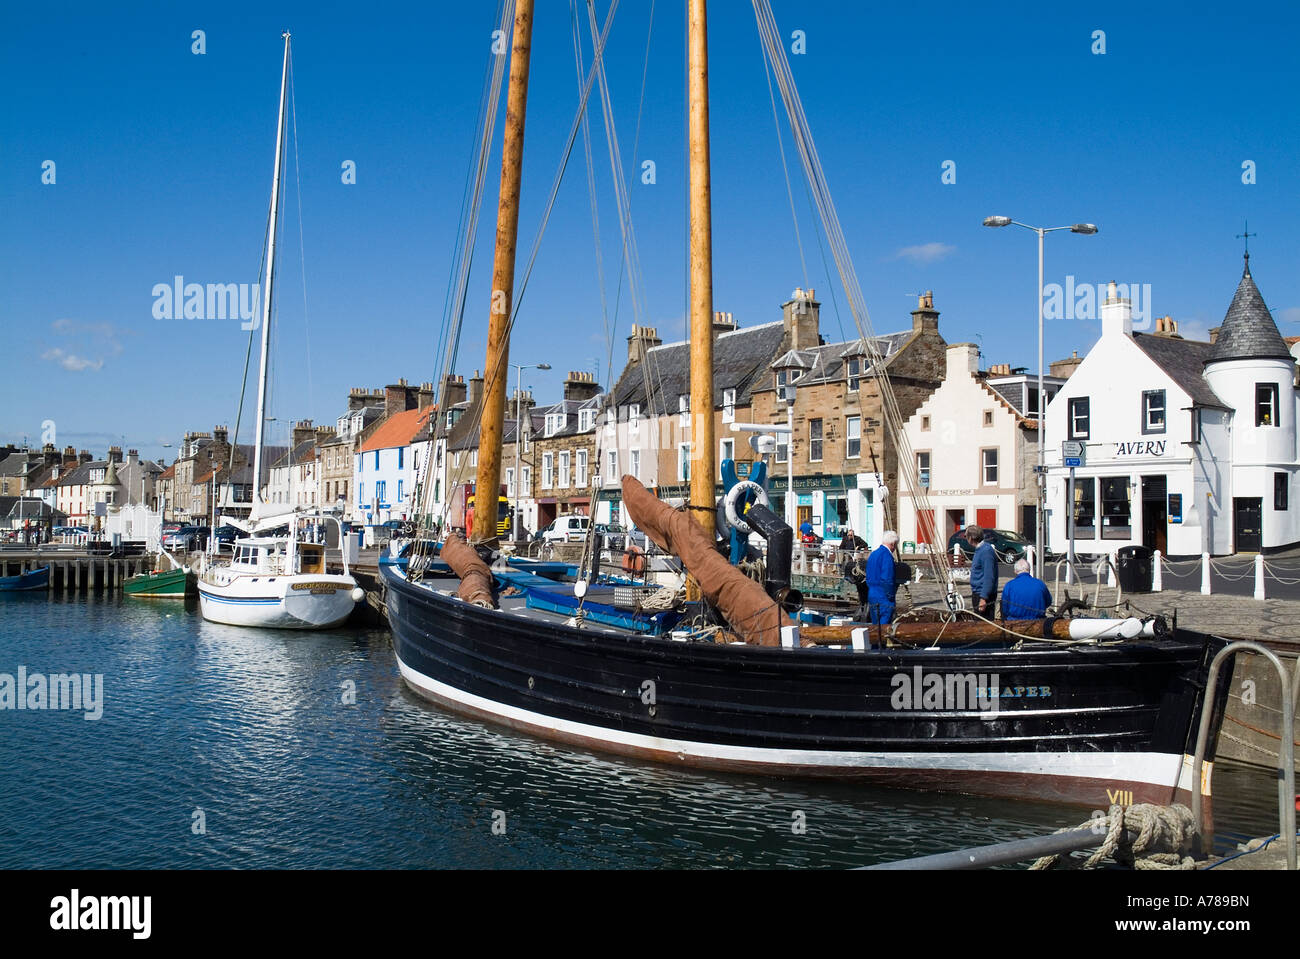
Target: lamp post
(789, 367)
(519, 431)
(1087, 229)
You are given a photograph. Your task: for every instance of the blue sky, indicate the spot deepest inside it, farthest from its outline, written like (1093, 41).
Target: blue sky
(163, 161)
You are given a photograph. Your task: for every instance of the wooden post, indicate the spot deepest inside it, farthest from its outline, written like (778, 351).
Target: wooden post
(703, 455)
(496, 368)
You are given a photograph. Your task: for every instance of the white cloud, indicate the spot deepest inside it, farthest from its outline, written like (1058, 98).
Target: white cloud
(925, 252)
(69, 361)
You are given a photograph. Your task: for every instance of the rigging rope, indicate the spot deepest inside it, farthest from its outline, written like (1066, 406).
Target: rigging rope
(802, 134)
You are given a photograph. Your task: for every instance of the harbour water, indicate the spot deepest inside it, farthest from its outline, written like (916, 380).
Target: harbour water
(223, 747)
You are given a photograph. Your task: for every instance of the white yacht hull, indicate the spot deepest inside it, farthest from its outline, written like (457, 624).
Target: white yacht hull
(303, 601)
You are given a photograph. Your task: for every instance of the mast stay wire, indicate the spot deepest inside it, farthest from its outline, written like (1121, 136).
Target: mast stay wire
(802, 134)
(491, 374)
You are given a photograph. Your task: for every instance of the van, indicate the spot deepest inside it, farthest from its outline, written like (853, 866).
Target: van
(566, 529)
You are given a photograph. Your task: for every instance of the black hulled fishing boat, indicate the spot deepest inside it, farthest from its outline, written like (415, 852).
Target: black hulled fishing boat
(1092, 712)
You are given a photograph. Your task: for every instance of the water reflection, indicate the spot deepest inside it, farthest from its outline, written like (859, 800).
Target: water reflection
(306, 750)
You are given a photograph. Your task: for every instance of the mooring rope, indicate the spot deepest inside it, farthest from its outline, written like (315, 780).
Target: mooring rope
(1163, 838)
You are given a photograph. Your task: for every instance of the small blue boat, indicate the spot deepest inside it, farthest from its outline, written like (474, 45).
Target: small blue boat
(36, 579)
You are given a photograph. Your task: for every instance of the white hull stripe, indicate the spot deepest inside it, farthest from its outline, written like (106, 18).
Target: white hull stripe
(1157, 769)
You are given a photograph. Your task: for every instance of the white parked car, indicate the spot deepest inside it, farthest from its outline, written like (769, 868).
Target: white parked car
(566, 529)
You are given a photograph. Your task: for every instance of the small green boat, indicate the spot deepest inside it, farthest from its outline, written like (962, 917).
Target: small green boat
(177, 583)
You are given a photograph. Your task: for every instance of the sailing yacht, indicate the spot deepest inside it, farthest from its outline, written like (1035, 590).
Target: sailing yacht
(1075, 711)
(276, 581)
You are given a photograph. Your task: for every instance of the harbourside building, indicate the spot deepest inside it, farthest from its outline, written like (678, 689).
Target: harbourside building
(566, 453)
(845, 464)
(1190, 446)
(388, 466)
(645, 429)
(975, 446)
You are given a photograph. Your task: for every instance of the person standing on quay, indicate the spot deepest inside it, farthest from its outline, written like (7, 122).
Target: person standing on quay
(881, 584)
(983, 572)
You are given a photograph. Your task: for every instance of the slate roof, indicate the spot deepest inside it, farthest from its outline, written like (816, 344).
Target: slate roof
(740, 361)
(1248, 331)
(81, 475)
(570, 409)
(1184, 361)
(304, 452)
(827, 361)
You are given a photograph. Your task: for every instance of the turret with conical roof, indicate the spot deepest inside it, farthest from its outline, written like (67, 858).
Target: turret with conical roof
(1248, 331)
(1251, 369)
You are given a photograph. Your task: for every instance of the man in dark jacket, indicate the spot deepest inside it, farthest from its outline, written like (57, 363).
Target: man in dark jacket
(983, 572)
(852, 561)
(881, 582)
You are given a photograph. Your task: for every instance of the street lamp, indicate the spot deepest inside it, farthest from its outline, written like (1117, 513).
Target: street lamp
(519, 430)
(788, 368)
(1087, 229)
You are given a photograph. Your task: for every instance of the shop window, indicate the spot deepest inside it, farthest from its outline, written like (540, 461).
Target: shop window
(1085, 508)
(1115, 508)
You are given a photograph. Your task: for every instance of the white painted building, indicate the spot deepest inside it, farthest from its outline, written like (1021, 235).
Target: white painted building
(974, 454)
(388, 464)
(1190, 446)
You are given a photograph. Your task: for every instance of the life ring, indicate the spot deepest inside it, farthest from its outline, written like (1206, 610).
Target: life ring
(633, 559)
(733, 496)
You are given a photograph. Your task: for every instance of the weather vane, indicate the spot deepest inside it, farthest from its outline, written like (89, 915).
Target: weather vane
(1246, 236)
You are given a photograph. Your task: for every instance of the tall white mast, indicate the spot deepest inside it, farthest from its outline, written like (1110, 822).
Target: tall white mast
(266, 292)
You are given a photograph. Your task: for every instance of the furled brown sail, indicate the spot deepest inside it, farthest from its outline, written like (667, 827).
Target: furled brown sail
(753, 615)
(475, 577)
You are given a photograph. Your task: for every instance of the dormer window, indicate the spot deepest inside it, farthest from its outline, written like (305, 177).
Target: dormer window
(853, 368)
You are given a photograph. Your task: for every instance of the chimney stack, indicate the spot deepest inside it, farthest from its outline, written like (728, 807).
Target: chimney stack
(580, 386)
(801, 316)
(963, 360)
(642, 340)
(453, 391)
(1116, 313)
(1065, 368)
(303, 430)
(925, 316)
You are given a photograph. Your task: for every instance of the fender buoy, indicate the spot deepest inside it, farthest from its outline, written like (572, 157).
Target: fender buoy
(633, 559)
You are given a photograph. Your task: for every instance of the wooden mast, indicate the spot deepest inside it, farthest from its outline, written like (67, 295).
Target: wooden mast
(703, 461)
(496, 367)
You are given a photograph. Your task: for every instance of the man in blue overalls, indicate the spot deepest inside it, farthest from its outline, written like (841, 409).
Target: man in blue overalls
(1025, 596)
(881, 585)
